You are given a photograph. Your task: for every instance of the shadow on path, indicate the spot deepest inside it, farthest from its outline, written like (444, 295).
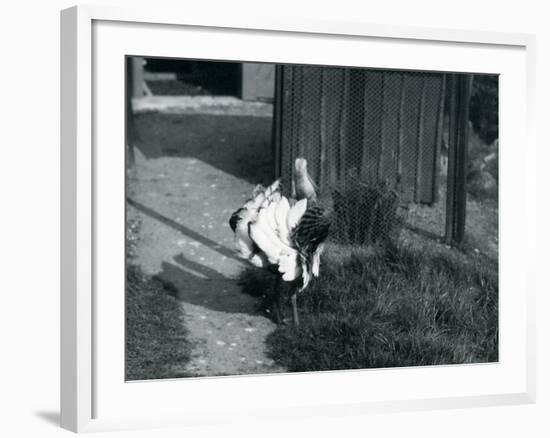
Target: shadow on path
(200, 285)
(184, 230)
(237, 145)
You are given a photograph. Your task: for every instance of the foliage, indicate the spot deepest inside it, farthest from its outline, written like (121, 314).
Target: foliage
(132, 237)
(484, 107)
(482, 169)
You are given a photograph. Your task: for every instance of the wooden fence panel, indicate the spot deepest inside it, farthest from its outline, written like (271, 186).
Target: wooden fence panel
(428, 178)
(410, 126)
(390, 127)
(373, 93)
(332, 119)
(375, 124)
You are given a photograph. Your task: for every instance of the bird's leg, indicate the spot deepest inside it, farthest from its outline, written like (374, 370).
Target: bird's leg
(295, 308)
(277, 291)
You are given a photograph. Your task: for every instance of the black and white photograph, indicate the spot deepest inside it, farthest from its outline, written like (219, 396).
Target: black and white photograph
(285, 218)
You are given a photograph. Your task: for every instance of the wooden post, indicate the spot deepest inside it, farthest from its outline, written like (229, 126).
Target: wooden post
(439, 140)
(129, 119)
(322, 131)
(420, 141)
(138, 88)
(278, 105)
(343, 130)
(460, 85)
(401, 141)
(379, 171)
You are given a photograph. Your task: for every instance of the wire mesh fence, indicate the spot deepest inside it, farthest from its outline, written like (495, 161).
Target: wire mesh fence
(372, 139)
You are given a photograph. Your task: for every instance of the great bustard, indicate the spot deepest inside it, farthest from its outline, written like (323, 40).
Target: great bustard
(273, 231)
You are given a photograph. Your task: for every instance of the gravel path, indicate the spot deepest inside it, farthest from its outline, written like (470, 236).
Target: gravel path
(184, 204)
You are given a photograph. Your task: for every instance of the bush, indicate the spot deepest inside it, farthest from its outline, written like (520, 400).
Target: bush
(365, 212)
(484, 107)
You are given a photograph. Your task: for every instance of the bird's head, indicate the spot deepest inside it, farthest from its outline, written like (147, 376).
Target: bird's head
(300, 166)
(303, 183)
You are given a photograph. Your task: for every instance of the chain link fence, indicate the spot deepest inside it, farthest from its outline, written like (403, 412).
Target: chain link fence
(373, 140)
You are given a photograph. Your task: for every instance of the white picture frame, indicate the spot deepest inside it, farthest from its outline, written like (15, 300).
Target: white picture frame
(93, 396)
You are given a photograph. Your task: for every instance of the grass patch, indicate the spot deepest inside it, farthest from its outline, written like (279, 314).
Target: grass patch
(156, 339)
(393, 307)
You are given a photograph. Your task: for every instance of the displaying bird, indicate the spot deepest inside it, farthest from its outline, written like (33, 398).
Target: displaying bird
(282, 234)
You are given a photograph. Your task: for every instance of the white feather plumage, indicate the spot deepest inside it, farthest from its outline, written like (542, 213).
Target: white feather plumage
(266, 221)
(317, 260)
(295, 213)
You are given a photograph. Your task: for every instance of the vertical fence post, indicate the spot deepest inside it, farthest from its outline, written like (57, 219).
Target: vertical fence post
(420, 142)
(129, 116)
(138, 83)
(436, 179)
(455, 222)
(278, 121)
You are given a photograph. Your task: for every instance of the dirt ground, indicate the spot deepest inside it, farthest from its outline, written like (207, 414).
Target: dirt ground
(481, 222)
(184, 189)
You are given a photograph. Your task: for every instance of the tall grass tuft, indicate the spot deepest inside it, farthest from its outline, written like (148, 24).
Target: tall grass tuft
(366, 213)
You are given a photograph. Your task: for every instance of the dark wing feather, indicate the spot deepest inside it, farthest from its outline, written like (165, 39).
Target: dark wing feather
(311, 231)
(234, 219)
